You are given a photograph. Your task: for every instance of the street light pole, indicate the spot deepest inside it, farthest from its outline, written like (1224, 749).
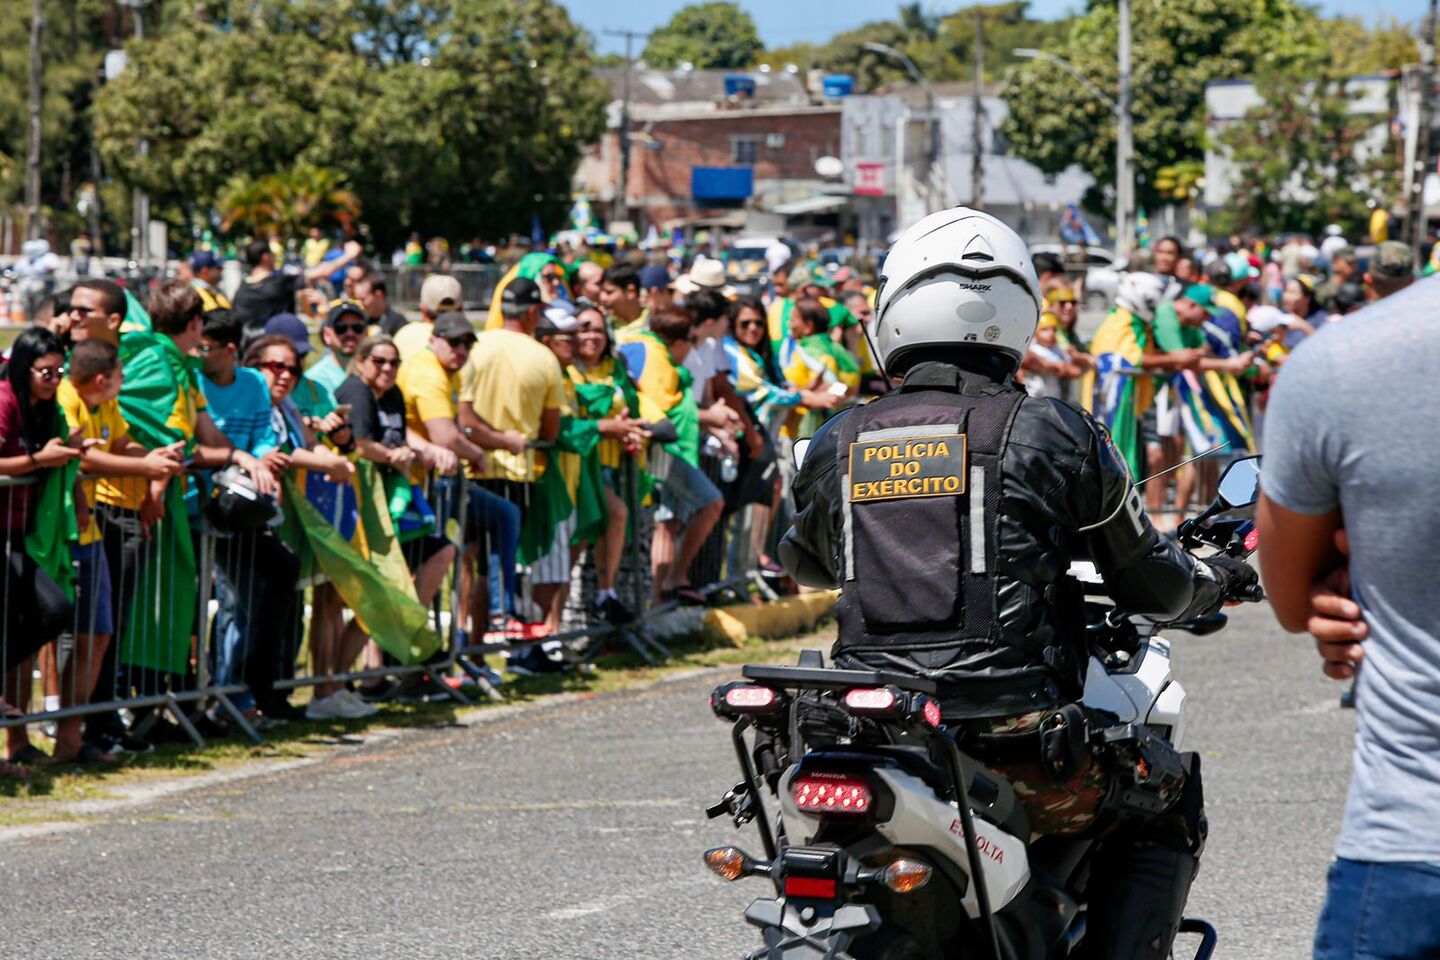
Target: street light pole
(33, 229)
(1124, 145)
(1124, 137)
(1422, 131)
(936, 184)
(977, 119)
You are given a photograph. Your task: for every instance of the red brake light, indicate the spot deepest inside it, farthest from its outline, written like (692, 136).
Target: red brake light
(1252, 540)
(878, 701)
(810, 887)
(750, 698)
(818, 793)
(932, 713)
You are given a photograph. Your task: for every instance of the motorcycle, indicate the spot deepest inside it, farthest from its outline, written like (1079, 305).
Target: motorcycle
(890, 842)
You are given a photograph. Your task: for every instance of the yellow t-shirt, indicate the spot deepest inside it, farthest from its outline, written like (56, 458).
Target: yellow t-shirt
(411, 339)
(105, 422)
(430, 391)
(511, 380)
(128, 493)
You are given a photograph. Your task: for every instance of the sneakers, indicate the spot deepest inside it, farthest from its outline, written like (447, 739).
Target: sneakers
(343, 705)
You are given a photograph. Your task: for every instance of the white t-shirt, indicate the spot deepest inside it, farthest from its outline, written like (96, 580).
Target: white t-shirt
(706, 359)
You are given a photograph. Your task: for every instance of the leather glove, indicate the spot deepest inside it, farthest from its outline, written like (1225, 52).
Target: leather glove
(1235, 575)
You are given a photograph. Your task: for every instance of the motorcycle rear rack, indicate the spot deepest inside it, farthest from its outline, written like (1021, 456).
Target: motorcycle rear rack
(828, 678)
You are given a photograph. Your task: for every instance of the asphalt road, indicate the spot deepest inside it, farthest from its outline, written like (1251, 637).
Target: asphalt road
(575, 831)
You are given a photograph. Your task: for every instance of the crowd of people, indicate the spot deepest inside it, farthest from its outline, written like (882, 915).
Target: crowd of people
(1181, 367)
(322, 480)
(345, 466)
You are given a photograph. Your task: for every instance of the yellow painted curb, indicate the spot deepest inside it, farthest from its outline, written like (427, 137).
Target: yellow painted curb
(783, 618)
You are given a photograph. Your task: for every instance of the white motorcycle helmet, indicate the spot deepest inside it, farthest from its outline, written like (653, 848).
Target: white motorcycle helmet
(1140, 293)
(957, 278)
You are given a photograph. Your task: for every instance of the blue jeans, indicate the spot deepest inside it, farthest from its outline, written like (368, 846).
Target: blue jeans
(1380, 911)
(492, 525)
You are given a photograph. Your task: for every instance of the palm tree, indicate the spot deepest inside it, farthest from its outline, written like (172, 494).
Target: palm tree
(289, 203)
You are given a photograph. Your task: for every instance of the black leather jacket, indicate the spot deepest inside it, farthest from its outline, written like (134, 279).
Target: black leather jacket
(1065, 493)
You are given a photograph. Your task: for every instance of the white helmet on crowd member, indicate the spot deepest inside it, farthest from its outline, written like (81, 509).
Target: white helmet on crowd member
(958, 278)
(1140, 293)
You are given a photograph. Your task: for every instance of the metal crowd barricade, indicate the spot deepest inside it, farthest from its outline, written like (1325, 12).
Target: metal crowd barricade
(477, 281)
(140, 650)
(331, 664)
(567, 574)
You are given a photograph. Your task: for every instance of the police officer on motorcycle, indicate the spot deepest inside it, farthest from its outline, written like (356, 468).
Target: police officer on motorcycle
(948, 512)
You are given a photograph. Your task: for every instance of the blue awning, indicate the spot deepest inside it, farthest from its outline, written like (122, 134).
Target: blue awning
(722, 183)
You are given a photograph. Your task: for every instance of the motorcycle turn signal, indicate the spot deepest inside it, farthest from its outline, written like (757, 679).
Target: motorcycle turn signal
(732, 863)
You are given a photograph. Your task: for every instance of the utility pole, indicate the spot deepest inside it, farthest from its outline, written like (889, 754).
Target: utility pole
(140, 212)
(1422, 131)
(33, 227)
(1125, 145)
(621, 208)
(977, 119)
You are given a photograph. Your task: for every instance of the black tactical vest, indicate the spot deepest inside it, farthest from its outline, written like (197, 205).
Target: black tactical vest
(920, 473)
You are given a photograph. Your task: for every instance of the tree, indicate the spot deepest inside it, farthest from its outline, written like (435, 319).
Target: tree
(1179, 46)
(1357, 50)
(468, 116)
(71, 48)
(1303, 159)
(716, 35)
(288, 203)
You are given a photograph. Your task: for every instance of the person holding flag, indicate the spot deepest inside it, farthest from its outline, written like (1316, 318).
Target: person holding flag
(1121, 387)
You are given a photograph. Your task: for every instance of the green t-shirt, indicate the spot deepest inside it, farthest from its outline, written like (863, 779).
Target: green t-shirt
(1171, 334)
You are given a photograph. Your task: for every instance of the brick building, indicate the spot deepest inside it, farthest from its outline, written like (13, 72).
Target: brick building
(711, 148)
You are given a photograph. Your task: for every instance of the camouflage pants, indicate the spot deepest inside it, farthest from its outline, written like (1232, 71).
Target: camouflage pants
(1055, 808)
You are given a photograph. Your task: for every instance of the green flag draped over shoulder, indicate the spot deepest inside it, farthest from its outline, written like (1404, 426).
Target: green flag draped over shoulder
(549, 505)
(155, 402)
(379, 591)
(581, 437)
(48, 544)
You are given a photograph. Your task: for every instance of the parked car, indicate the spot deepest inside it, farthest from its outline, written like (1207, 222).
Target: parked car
(1100, 269)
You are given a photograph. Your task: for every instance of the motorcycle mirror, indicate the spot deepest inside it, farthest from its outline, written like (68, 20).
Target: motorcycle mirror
(1240, 484)
(800, 447)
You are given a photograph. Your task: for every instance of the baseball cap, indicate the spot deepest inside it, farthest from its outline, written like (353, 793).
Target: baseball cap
(291, 326)
(1264, 318)
(819, 277)
(654, 277)
(521, 293)
(1240, 267)
(203, 260)
(1202, 295)
(441, 292)
(557, 319)
(1061, 295)
(1393, 259)
(452, 325)
(339, 308)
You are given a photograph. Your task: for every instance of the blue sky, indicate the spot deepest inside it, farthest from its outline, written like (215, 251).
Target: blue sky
(783, 22)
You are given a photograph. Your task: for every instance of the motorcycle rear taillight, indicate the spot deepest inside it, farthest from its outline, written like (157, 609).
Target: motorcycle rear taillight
(817, 793)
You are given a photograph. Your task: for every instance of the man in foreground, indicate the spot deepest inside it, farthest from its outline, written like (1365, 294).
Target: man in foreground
(1341, 453)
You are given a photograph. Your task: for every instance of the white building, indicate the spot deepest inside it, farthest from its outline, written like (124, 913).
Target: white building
(884, 145)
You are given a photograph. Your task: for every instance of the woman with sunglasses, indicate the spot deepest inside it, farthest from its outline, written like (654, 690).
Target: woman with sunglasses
(758, 380)
(604, 392)
(377, 417)
(36, 609)
(334, 645)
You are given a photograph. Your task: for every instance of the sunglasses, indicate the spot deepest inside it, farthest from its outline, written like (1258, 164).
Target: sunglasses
(47, 373)
(750, 323)
(460, 343)
(278, 367)
(344, 328)
(385, 361)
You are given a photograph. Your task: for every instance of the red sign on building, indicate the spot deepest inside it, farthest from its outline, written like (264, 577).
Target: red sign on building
(870, 179)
